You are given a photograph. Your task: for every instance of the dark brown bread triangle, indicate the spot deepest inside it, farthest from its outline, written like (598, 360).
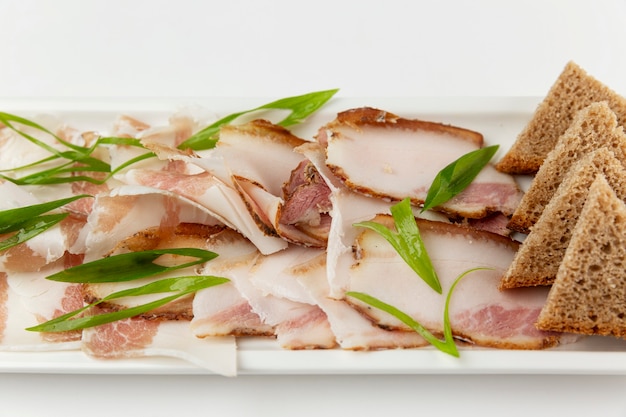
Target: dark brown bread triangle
(594, 127)
(538, 259)
(573, 90)
(589, 293)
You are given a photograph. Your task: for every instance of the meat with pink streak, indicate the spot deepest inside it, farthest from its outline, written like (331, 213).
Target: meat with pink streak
(129, 209)
(380, 154)
(272, 288)
(306, 206)
(133, 338)
(43, 249)
(348, 207)
(352, 330)
(223, 309)
(479, 312)
(240, 261)
(257, 159)
(28, 299)
(218, 198)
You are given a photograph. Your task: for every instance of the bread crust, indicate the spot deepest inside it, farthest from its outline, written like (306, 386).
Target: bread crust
(594, 127)
(572, 91)
(589, 292)
(539, 257)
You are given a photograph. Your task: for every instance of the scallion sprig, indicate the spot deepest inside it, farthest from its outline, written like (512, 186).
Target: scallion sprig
(447, 345)
(72, 164)
(127, 267)
(300, 108)
(131, 266)
(180, 286)
(456, 176)
(406, 240)
(24, 223)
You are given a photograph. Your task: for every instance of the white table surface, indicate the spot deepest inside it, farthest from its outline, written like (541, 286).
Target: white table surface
(392, 48)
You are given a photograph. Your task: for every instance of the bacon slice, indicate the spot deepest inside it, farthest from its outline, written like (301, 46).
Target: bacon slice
(184, 235)
(28, 299)
(222, 311)
(306, 206)
(133, 338)
(127, 210)
(45, 248)
(221, 200)
(479, 312)
(382, 155)
(296, 325)
(352, 330)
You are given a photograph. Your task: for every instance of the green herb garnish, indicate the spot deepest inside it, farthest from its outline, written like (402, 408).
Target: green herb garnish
(181, 286)
(406, 240)
(127, 267)
(29, 221)
(301, 107)
(72, 164)
(446, 345)
(130, 266)
(455, 177)
(74, 159)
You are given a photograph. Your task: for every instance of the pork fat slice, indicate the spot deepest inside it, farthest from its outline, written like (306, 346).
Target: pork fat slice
(382, 155)
(479, 312)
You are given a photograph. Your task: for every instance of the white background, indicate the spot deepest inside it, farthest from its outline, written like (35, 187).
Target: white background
(271, 49)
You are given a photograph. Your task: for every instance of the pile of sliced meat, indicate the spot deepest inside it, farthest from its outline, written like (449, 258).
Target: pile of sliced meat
(279, 210)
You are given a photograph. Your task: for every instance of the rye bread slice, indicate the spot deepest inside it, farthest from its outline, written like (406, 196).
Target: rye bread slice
(539, 256)
(572, 91)
(589, 293)
(594, 127)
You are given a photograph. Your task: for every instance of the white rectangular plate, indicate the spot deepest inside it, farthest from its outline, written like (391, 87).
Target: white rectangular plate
(498, 119)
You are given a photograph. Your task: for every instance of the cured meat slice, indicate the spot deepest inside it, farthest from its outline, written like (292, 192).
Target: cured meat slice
(296, 325)
(221, 200)
(222, 311)
(275, 294)
(382, 155)
(479, 312)
(42, 249)
(352, 330)
(133, 338)
(260, 152)
(130, 209)
(185, 235)
(28, 299)
(306, 207)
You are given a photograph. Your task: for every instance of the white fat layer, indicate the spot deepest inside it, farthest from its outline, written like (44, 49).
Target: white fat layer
(173, 339)
(394, 161)
(351, 329)
(50, 245)
(143, 208)
(266, 161)
(451, 255)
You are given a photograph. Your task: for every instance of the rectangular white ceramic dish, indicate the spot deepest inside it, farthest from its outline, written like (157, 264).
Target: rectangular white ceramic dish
(499, 119)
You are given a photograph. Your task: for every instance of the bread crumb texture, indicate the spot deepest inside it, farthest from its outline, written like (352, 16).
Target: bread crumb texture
(589, 293)
(541, 253)
(594, 127)
(572, 91)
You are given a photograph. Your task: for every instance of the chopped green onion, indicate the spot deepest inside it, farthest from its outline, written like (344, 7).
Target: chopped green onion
(130, 266)
(31, 228)
(455, 177)
(301, 107)
(12, 219)
(406, 240)
(446, 345)
(180, 285)
(29, 221)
